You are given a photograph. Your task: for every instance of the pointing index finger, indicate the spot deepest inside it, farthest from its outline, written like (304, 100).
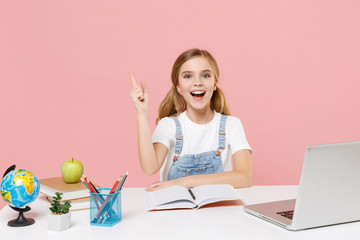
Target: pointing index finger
(133, 79)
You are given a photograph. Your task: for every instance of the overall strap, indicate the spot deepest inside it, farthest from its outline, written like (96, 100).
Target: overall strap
(222, 138)
(179, 138)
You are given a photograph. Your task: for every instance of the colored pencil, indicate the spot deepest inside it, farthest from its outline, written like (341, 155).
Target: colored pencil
(102, 208)
(118, 188)
(96, 190)
(123, 180)
(90, 186)
(86, 183)
(115, 185)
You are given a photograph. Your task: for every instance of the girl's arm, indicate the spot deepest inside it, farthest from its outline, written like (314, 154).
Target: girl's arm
(241, 176)
(151, 155)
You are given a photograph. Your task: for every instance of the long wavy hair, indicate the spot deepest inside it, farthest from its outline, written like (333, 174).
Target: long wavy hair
(174, 104)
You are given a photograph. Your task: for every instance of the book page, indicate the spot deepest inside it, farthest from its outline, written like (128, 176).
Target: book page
(175, 205)
(59, 185)
(81, 193)
(166, 196)
(213, 193)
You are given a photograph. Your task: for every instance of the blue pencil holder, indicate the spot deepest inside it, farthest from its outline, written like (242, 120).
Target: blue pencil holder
(105, 208)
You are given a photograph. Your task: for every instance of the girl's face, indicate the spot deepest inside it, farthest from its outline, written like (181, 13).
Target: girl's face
(196, 83)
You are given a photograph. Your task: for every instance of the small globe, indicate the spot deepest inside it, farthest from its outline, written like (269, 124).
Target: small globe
(19, 188)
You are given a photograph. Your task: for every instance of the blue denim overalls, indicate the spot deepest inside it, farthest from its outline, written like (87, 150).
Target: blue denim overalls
(195, 164)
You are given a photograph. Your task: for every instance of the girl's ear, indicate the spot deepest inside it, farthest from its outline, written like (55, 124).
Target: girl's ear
(215, 87)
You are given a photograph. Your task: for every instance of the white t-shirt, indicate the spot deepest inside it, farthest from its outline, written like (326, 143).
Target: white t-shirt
(199, 138)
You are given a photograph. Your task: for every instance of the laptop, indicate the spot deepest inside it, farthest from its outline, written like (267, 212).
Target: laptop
(328, 193)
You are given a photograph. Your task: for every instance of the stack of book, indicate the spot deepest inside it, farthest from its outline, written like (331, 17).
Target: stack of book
(76, 193)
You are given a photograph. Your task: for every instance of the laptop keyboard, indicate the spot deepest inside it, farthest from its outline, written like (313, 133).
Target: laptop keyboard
(287, 214)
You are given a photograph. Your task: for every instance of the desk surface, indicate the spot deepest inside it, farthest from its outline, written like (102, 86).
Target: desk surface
(226, 222)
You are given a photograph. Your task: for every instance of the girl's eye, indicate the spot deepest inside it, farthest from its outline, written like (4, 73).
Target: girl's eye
(206, 75)
(187, 76)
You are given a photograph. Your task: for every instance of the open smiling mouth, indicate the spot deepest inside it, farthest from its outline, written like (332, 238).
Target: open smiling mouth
(197, 93)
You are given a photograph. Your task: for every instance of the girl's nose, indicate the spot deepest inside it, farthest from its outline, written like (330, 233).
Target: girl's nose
(198, 81)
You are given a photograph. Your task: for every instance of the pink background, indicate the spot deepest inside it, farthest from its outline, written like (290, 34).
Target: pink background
(290, 71)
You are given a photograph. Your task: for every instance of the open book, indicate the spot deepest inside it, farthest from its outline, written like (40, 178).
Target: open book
(181, 197)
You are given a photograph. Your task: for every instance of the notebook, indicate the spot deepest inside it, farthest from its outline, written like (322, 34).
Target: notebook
(328, 193)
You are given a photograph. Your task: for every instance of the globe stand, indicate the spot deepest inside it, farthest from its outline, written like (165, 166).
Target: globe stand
(21, 221)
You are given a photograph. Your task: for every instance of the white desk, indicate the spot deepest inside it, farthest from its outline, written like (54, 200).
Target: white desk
(228, 222)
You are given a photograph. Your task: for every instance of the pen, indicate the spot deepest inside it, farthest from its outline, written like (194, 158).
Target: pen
(192, 194)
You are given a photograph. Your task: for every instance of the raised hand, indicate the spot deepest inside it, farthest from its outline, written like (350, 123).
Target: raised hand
(139, 96)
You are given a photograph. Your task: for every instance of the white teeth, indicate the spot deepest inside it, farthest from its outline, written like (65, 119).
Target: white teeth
(202, 93)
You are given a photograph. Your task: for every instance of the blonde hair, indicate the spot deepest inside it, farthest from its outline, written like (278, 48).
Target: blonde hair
(174, 104)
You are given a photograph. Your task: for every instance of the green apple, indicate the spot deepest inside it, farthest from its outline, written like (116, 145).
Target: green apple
(72, 170)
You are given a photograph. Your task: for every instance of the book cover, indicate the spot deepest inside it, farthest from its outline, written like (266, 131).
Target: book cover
(177, 197)
(49, 186)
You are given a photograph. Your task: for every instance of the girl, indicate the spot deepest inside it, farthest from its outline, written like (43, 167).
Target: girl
(195, 137)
